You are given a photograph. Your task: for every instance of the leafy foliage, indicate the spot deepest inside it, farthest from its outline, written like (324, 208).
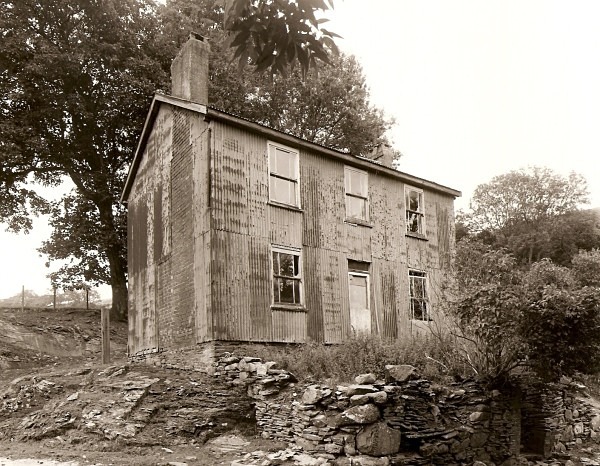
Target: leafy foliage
(272, 34)
(75, 239)
(534, 214)
(505, 317)
(586, 267)
(76, 78)
(329, 107)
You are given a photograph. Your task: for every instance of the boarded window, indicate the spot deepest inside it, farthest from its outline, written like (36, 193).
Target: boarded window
(287, 277)
(356, 184)
(283, 175)
(415, 212)
(419, 305)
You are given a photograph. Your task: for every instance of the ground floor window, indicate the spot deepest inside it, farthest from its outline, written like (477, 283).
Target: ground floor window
(287, 276)
(419, 305)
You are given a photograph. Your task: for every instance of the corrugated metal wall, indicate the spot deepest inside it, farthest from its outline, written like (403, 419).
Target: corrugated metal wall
(202, 229)
(246, 226)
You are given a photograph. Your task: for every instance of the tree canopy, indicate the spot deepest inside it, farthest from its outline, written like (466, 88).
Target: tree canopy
(76, 79)
(534, 213)
(544, 317)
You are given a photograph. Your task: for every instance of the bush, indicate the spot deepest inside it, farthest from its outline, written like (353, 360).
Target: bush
(363, 354)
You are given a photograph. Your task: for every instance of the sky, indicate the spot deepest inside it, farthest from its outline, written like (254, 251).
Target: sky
(477, 88)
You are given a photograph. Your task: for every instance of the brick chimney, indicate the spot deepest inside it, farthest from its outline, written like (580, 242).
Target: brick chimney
(382, 153)
(189, 70)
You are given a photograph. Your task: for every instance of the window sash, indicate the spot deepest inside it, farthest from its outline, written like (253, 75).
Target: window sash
(415, 210)
(287, 277)
(419, 303)
(283, 190)
(283, 175)
(356, 183)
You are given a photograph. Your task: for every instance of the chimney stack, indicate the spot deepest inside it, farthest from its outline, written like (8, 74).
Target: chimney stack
(189, 70)
(382, 153)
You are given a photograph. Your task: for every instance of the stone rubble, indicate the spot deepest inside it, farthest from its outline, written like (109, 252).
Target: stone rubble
(404, 419)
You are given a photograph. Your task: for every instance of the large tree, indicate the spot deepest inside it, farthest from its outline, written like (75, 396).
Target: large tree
(534, 213)
(76, 79)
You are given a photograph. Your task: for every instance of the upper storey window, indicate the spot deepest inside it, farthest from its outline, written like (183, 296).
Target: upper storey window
(284, 175)
(415, 210)
(357, 194)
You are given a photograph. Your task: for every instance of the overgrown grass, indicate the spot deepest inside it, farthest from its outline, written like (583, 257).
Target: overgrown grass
(433, 356)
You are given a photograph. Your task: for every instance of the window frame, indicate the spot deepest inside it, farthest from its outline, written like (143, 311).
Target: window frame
(271, 147)
(420, 213)
(294, 252)
(421, 274)
(364, 197)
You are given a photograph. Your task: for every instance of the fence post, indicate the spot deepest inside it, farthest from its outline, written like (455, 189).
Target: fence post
(54, 297)
(23, 298)
(105, 322)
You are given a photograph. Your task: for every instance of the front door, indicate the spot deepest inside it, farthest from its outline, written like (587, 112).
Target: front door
(360, 312)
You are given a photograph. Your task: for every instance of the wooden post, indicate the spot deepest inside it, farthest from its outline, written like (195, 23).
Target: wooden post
(105, 321)
(23, 298)
(87, 297)
(54, 298)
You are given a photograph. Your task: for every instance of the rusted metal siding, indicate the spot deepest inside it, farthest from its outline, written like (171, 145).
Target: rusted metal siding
(146, 236)
(200, 138)
(289, 326)
(203, 231)
(246, 226)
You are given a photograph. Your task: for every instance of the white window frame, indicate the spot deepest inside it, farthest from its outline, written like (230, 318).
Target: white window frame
(420, 213)
(422, 275)
(364, 197)
(291, 251)
(271, 146)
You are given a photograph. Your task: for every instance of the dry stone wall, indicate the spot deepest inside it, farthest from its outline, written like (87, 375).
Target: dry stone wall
(402, 420)
(406, 420)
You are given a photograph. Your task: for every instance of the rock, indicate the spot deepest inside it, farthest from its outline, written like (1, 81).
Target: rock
(595, 422)
(365, 379)
(302, 459)
(357, 400)
(378, 397)
(378, 440)
(365, 414)
(73, 397)
(312, 395)
(360, 390)
(478, 439)
(400, 373)
(367, 461)
(578, 428)
(478, 416)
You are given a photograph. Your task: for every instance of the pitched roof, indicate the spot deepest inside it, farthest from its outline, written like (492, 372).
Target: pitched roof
(272, 134)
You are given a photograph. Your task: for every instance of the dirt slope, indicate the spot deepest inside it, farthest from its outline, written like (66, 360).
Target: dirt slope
(58, 402)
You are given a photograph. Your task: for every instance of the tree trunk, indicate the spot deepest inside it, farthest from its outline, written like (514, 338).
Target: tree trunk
(118, 284)
(115, 254)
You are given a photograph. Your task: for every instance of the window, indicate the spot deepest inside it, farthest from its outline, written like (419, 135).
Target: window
(287, 277)
(415, 219)
(419, 306)
(283, 175)
(357, 191)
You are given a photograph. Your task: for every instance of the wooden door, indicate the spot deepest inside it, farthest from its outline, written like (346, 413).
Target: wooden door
(360, 306)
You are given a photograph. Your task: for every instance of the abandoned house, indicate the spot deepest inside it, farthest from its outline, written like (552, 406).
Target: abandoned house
(238, 232)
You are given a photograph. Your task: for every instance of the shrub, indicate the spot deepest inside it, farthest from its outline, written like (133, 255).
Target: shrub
(363, 354)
